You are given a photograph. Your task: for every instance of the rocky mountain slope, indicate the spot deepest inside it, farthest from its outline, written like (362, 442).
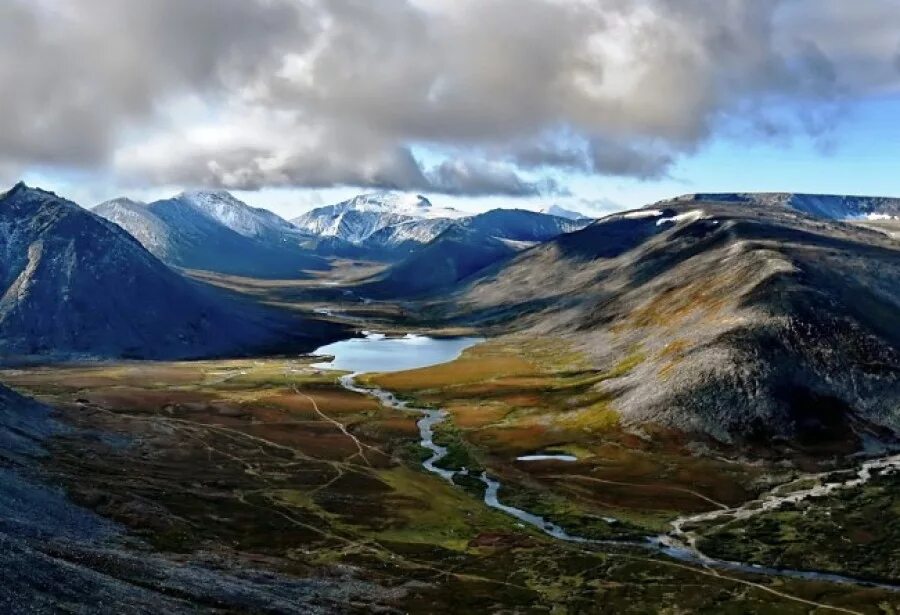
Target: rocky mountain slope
(831, 206)
(214, 231)
(73, 283)
(758, 325)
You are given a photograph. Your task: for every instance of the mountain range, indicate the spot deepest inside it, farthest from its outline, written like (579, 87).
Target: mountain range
(74, 284)
(395, 226)
(465, 247)
(754, 316)
(216, 232)
(213, 231)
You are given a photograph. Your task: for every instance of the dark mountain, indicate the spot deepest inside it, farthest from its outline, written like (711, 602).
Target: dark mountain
(467, 246)
(758, 325)
(213, 231)
(453, 256)
(74, 283)
(521, 225)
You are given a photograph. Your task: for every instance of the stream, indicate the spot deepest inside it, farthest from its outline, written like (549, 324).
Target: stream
(679, 543)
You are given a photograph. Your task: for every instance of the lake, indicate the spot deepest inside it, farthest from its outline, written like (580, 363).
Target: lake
(378, 353)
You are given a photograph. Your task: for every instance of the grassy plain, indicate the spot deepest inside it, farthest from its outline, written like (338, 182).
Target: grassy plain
(515, 396)
(855, 532)
(272, 463)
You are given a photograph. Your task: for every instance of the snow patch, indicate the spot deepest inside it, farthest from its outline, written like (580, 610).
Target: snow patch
(873, 217)
(547, 457)
(642, 213)
(688, 216)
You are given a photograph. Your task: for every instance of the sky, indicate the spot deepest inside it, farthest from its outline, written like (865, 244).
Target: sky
(594, 105)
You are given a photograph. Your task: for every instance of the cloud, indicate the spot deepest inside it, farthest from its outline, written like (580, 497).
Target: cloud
(480, 178)
(503, 93)
(77, 74)
(253, 151)
(640, 160)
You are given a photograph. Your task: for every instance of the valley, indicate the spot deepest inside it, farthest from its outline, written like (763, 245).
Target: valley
(425, 307)
(277, 464)
(648, 410)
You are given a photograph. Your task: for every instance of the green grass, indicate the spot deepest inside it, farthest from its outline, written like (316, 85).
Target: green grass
(855, 532)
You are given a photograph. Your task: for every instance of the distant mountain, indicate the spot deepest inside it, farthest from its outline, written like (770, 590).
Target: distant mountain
(397, 240)
(831, 206)
(73, 283)
(759, 326)
(464, 247)
(562, 212)
(521, 225)
(357, 219)
(393, 226)
(248, 221)
(451, 257)
(216, 232)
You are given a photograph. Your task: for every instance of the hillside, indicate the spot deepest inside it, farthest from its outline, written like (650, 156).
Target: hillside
(74, 284)
(831, 206)
(759, 325)
(450, 258)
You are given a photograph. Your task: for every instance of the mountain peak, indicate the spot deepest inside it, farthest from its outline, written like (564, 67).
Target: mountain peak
(23, 195)
(397, 202)
(22, 187)
(208, 196)
(121, 201)
(562, 212)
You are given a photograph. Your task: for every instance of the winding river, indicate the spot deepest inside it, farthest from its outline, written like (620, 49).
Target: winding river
(375, 352)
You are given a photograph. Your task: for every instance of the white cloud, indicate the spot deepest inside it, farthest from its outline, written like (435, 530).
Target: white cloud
(318, 93)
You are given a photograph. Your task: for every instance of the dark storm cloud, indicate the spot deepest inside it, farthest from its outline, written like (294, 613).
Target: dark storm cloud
(254, 93)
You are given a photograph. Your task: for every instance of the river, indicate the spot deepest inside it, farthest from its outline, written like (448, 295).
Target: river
(378, 353)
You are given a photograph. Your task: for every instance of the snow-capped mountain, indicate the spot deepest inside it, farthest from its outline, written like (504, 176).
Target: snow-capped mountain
(362, 216)
(137, 219)
(562, 212)
(397, 224)
(73, 283)
(248, 221)
(214, 231)
(831, 206)
(408, 235)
